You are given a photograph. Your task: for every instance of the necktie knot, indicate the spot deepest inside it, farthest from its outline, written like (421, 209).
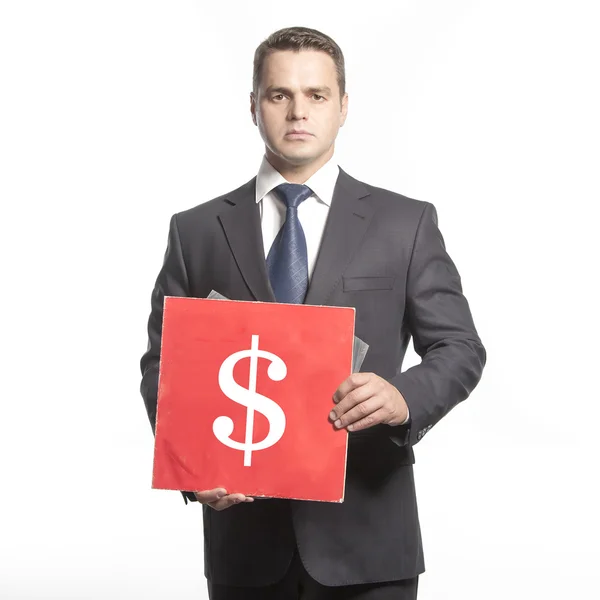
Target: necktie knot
(293, 193)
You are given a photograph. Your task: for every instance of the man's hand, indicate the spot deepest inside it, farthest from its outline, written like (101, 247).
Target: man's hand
(219, 499)
(364, 400)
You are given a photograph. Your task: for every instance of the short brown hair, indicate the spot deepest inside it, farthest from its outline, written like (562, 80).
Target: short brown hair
(299, 38)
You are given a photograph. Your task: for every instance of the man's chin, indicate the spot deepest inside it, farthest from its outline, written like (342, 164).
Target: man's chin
(293, 155)
(298, 158)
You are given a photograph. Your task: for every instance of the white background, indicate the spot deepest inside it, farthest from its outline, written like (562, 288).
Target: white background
(116, 114)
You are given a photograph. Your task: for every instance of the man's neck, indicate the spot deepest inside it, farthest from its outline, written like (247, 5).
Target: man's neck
(297, 173)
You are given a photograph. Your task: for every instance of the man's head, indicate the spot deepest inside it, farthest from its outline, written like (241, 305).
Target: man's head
(298, 85)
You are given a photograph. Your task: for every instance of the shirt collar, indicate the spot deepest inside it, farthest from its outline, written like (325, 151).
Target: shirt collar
(322, 183)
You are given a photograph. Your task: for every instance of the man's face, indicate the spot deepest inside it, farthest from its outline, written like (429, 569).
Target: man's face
(298, 110)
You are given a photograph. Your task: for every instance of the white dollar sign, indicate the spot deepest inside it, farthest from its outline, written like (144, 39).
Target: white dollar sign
(223, 426)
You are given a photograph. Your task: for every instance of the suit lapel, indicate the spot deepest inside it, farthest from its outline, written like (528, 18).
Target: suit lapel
(347, 223)
(241, 223)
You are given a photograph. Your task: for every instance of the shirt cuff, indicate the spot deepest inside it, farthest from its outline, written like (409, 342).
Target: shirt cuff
(407, 417)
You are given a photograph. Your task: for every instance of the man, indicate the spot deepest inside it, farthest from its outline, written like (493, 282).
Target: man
(303, 230)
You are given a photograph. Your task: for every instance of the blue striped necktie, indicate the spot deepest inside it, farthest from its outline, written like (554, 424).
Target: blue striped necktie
(287, 261)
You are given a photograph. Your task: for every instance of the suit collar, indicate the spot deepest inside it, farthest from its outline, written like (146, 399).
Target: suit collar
(348, 220)
(241, 224)
(347, 223)
(322, 183)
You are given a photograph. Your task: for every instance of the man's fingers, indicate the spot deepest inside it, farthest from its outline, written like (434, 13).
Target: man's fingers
(361, 412)
(355, 380)
(219, 499)
(229, 500)
(207, 496)
(379, 416)
(354, 398)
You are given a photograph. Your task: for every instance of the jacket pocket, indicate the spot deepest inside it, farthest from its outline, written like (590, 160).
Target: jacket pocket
(355, 284)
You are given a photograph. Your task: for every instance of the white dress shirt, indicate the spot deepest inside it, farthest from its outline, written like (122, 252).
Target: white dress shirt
(312, 213)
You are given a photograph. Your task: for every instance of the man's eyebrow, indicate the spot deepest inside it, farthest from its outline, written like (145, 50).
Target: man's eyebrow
(279, 90)
(313, 90)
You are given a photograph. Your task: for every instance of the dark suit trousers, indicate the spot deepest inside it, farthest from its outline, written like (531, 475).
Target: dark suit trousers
(299, 585)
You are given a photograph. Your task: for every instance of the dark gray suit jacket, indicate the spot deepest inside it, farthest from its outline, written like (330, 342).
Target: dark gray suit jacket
(383, 254)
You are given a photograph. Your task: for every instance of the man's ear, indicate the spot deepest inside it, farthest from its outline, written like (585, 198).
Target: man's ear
(253, 107)
(344, 109)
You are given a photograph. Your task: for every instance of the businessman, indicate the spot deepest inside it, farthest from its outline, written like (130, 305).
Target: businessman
(303, 230)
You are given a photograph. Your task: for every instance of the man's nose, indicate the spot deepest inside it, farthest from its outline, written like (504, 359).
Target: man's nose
(298, 109)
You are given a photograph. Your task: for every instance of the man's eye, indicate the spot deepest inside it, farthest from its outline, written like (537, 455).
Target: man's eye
(317, 97)
(278, 97)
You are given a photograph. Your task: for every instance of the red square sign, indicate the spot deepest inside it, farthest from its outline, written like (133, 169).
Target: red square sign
(245, 390)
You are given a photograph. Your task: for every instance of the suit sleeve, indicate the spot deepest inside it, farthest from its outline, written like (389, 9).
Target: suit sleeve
(172, 280)
(444, 335)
